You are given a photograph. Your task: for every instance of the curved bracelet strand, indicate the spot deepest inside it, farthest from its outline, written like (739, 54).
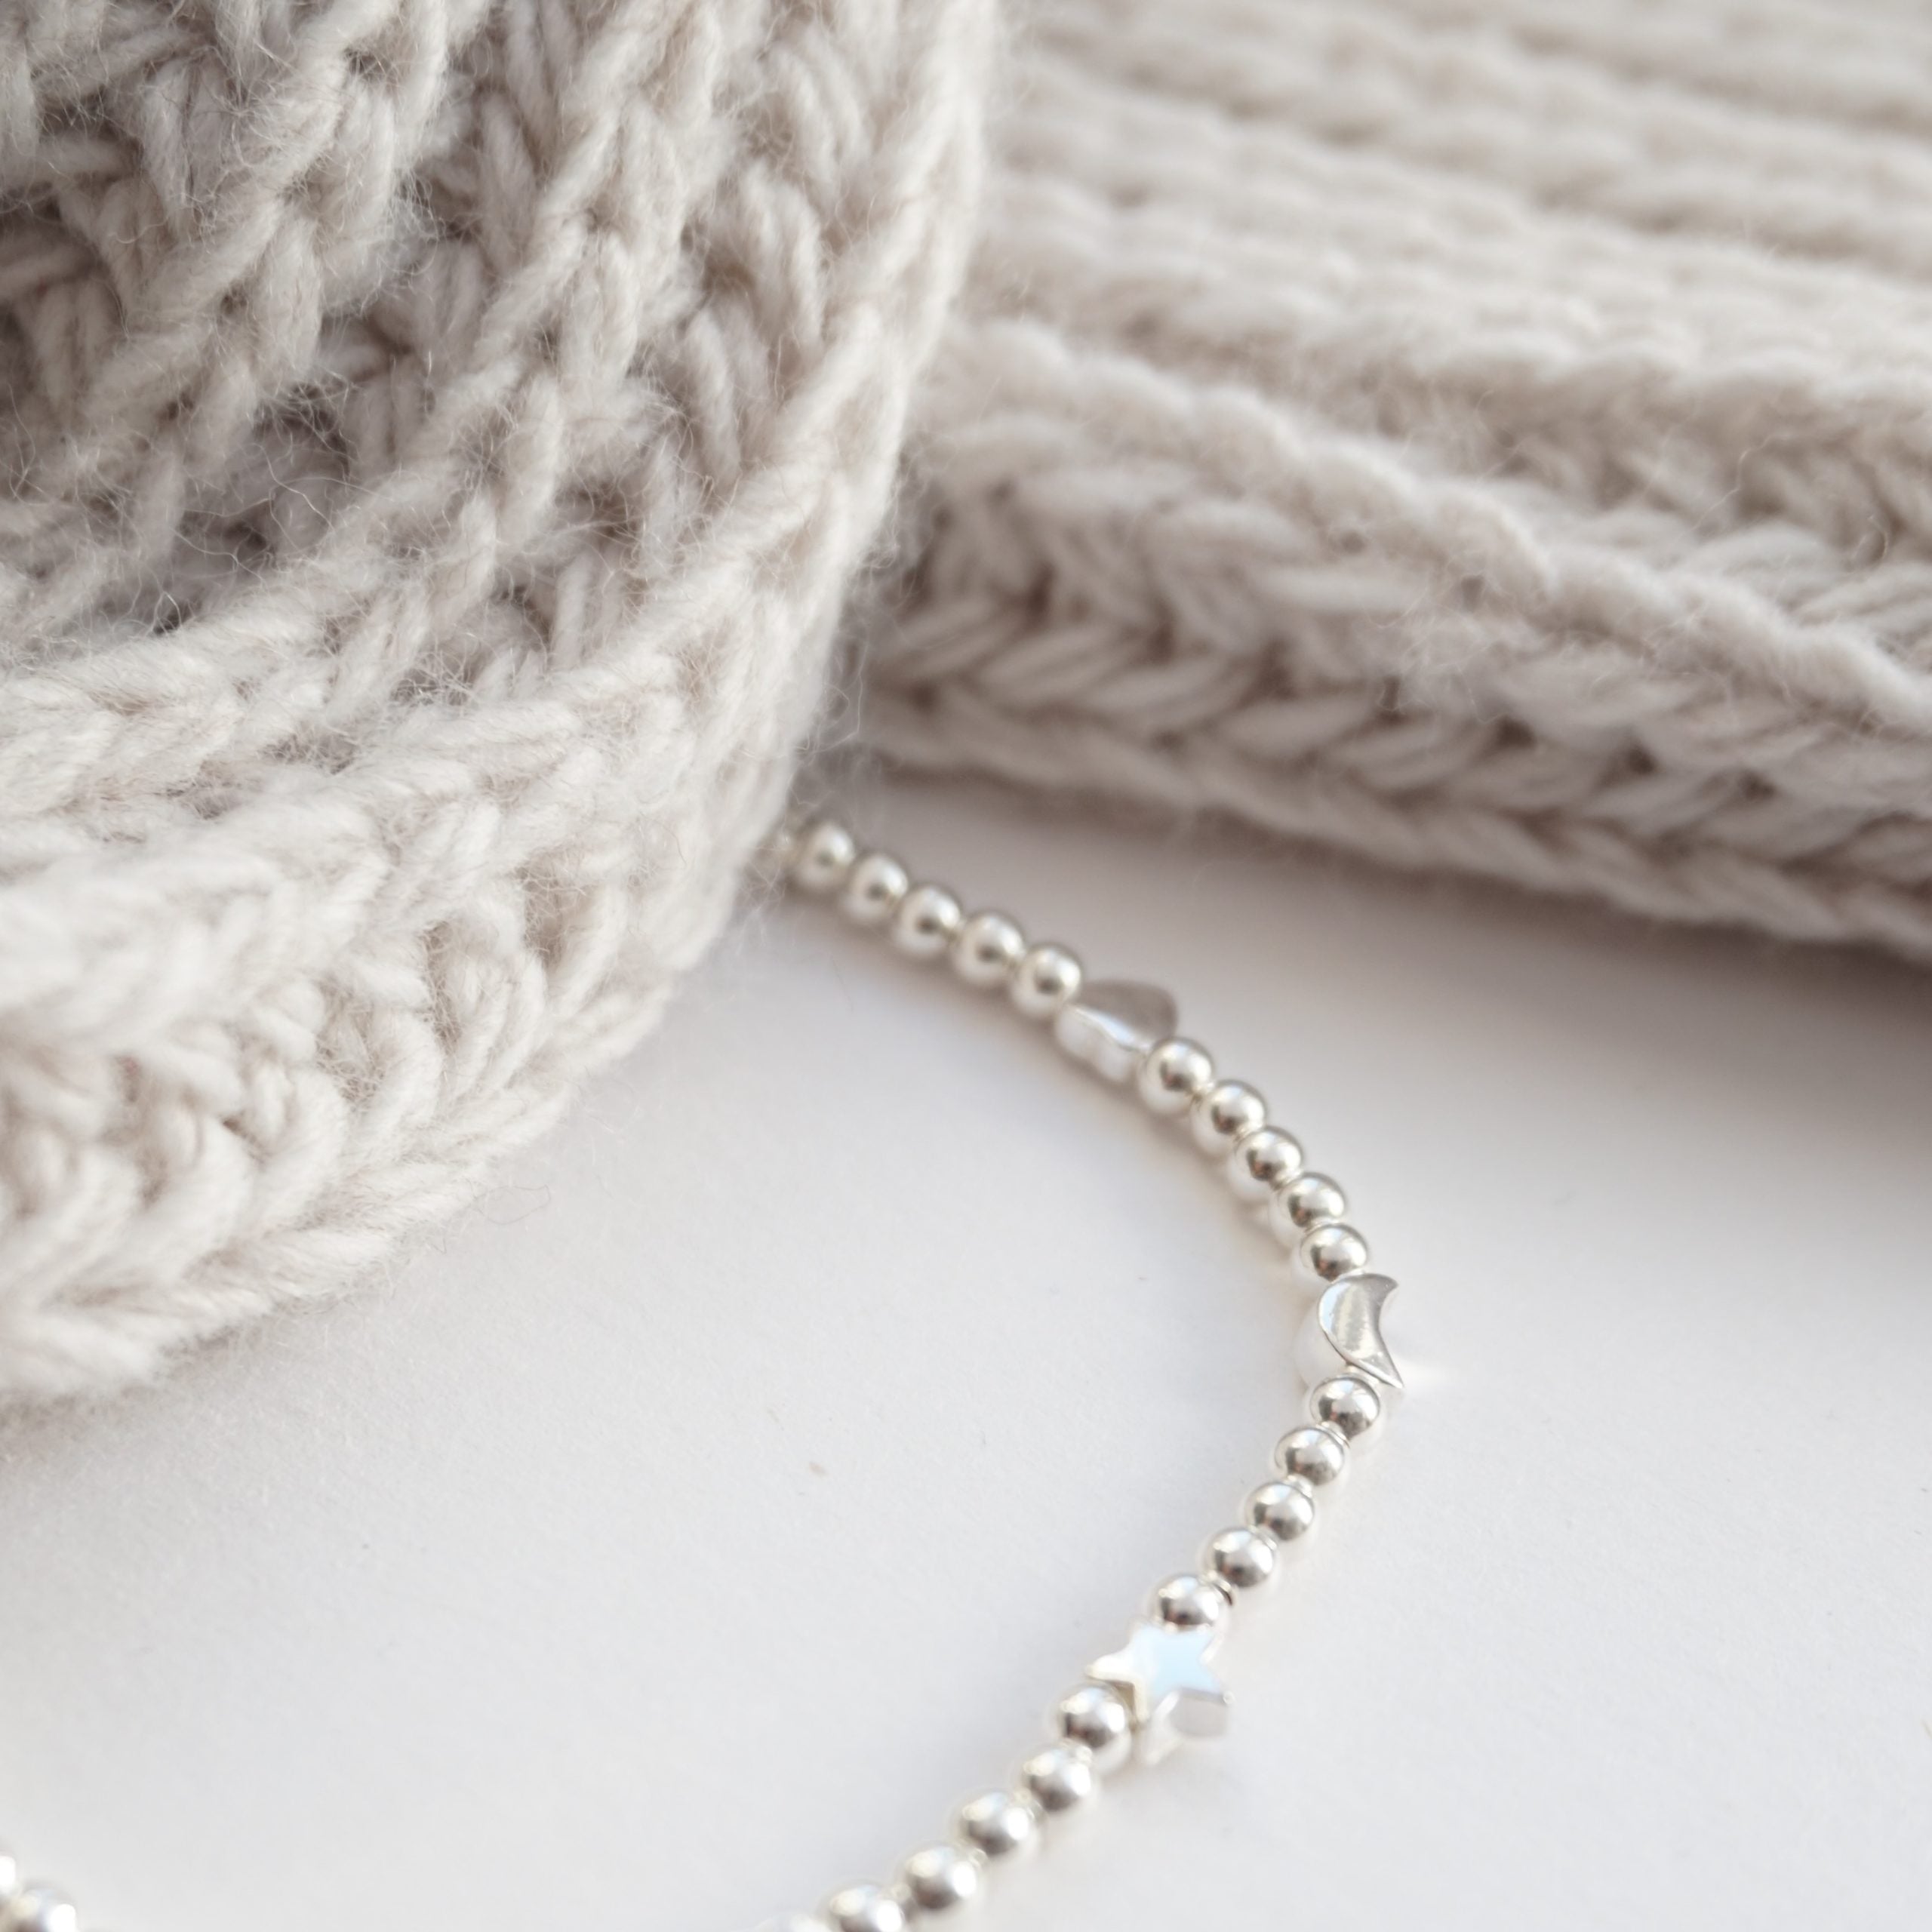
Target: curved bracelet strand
(1162, 1685)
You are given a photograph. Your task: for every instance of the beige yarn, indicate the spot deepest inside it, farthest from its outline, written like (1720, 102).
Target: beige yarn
(440, 435)
(1493, 435)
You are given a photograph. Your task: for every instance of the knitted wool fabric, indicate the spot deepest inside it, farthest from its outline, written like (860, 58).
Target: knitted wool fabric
(1493, 435)
(440, 435)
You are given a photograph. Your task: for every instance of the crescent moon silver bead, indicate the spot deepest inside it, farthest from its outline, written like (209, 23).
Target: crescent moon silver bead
(1342, 1335)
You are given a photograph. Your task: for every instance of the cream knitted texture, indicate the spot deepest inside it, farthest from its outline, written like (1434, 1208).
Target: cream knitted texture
(440, 432)
(1493, 435)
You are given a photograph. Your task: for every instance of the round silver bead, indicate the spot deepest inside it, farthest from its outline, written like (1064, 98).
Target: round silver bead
(1227, 1110)
(1318, 1455)
(1188, 1603)
(821, 855)
(1046, 977)
(1243, 1559)
(990, 946)
(873, 889)
(1002, 1824)
(1098, 1718)
(940, 1878)
(40, 1909)
(1262, 1162)
(1348, 1405)
(866, 1909)
(1173, 1073)
(927, 922)
(1285, 1510)
(1295, 1208)
(1060, 1778)
(1331, 1249)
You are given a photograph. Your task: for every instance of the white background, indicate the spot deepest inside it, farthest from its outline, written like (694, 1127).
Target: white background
(726, 1496)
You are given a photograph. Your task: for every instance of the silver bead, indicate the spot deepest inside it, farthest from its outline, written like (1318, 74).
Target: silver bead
(988, 947)
(40, 1909)
(1173, 1072)
(873, 889)
(822, 855)
(1098, 1718)
(1262, 1162)
(1189, 1603)
(1331, 1249)
(1002, 1824)
(927, 922)
(1342, 1335)
(1222, 1115)
(866, 1909)
(1318, 1456)
(1294, 1208)
(1060, 1778)
(1243, 1559)
(1347, 1404)
(940, 1878)
(1046, 977)
(1285, 1510)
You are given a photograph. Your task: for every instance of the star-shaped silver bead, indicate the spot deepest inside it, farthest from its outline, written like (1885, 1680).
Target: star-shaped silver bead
(1162, 1675)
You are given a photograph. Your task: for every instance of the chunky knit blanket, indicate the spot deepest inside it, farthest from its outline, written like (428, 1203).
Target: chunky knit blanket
(441, 435)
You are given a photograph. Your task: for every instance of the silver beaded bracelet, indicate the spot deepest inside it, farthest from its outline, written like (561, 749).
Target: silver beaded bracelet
(1161, 1686)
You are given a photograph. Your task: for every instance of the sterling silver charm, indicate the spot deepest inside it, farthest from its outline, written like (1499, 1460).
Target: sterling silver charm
(1343, 1334)
(1163, 1676)
(1113, 1024)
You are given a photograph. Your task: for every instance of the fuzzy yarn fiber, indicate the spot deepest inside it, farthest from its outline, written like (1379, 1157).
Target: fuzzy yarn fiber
(440, 433)
(1484, 434)
(1493, 435)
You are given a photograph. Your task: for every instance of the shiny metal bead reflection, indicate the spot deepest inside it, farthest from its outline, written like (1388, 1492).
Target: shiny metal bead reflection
(866, 1909)
(1318, 1455)
(1098, 1718)
(990, 946)
(1262, 1162)
(1244, 1559)
(1348, 1405)
(821, 855)
(1060, 1778)
(1173, 1074)
(1046, 977)
(1285, 1510)
(1296, 1208)
(927, 922)
(1189, 1603)
(1331, 1249)
(940, 1879)
(1223, 1114)
(1002, 1824)
(40, 1909)
(873, 889)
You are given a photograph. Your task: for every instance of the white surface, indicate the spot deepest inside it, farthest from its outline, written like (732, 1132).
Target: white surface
(725, 1501)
